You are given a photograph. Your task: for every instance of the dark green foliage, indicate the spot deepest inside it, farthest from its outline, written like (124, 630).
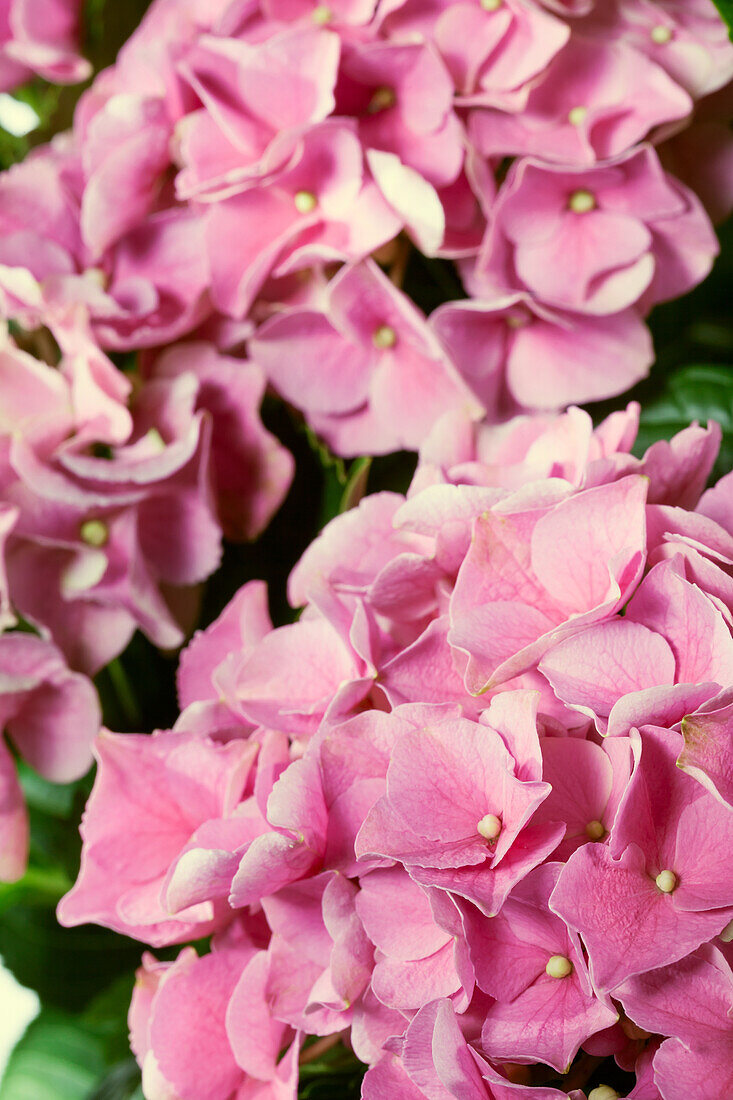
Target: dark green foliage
(725, 7)
(55, 1060)
(66, 966)
(337, 1086)
(699, 393)
(76, 1056)
(336, 1075)
(431, 282)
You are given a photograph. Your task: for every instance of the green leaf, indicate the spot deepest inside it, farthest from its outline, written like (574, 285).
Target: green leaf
(54, 809)
(42, 97)
(125, 694)
(335, 1075)
(137, 689)
(430, 283)
(122, 1082)
(55, 1060)
(105, 1016)
(725, 7)
(54, 799)
(335, 1086)
(335, 477)
(65, 1055)
(40, 886)
(701, 393)
(392, 473)
(356, 486)
(65, 966)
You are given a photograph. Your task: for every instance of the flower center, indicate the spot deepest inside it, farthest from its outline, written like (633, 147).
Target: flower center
(595, 830)
(489, 827)
(520, 319)
(96, 276)
(322, 14)
(94, 532)
(305, 202)
(382, 100)
(558, 967)
(727, 934)
(384, 337)
(155, 440)
(582, 201)
(661, 35)
(603, 1092)
(666, 881)
(577, 116)
(491, 5)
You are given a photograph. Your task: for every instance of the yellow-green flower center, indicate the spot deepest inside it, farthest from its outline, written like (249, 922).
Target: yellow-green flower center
(489, 827)
(661, 35)
(305, 202)
(384, 337)
(382, 99)
(666, 881)
(582, 201)
(558, 966)
(322, 14)
(94, 532)
(577, 116)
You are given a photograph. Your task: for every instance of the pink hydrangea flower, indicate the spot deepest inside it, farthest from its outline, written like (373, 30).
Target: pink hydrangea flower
(686, 39)
(521, 587)
(497, 345)
(251, 92)
(319, 958)
(177, 793)
(313, 135)
(203, 664)
(51, 716)
(526, 448)
(464, 822)
(119, 499)
(251, 470)
(597, 240)
(492, 52)
(417, 960)
(664, 869)
(708, 751)
(436, 1061)
(596, 100)
(368, 372)
(323, 205)
(529, 961)
(671, 634)
(402, 95)
(40, 37)
(376, 828)
(205, 995)
(105, 534)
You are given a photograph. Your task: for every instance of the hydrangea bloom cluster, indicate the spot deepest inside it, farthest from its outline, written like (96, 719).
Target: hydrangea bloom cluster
(236, 172)
(471, 812)
(115, 494)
